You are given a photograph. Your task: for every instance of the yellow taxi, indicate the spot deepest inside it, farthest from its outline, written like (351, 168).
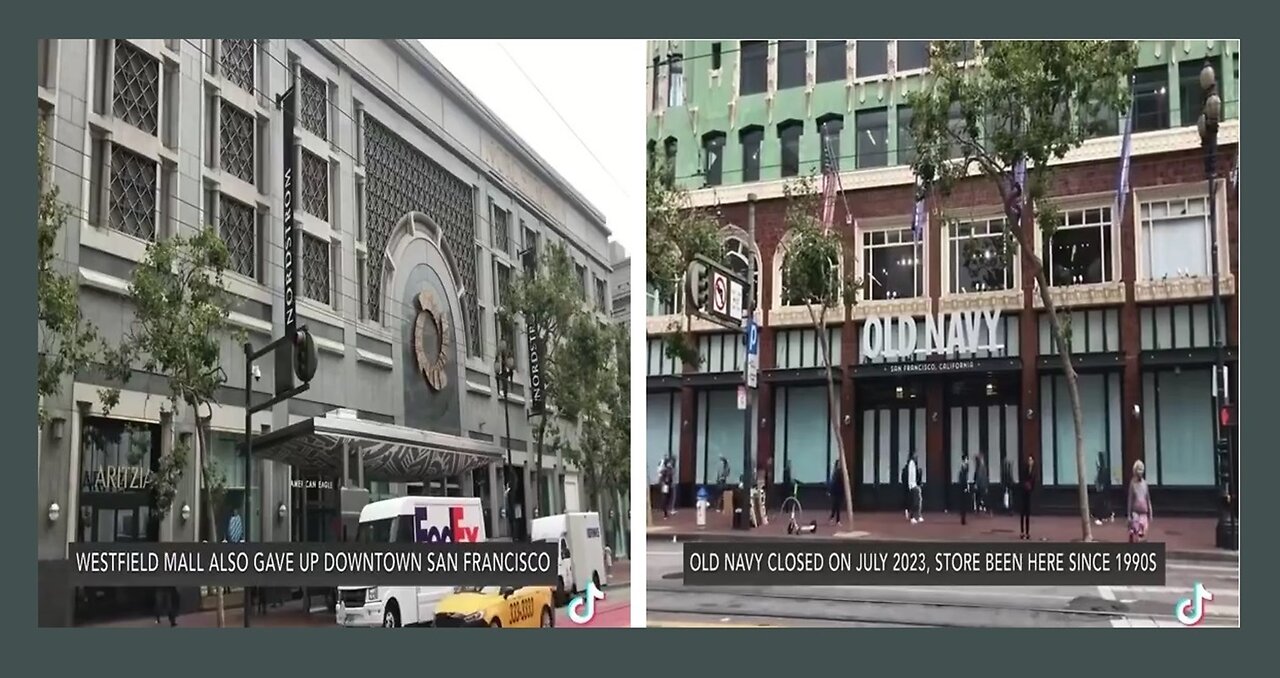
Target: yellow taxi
(497, 607)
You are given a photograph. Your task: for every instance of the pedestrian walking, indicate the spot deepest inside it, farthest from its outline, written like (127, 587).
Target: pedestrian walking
(835, 488)
(235, 527)
(166, 604)
(788, 484)
(766, 483)
(1006, 480)
(981, 482)
(912, 481)
(966, 497)
(664, 482)
(1139, 504)
(1027, 490)
(671, 485)
(722, 483)
(1102, 487)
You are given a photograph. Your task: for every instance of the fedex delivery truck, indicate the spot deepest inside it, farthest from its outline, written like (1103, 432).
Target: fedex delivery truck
(408, 519)
(581, 550)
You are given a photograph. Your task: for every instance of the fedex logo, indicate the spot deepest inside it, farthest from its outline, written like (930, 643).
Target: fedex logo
(425, 532)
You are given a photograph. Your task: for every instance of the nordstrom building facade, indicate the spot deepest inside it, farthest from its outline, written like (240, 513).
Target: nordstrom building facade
(739, 117)
(415, 203)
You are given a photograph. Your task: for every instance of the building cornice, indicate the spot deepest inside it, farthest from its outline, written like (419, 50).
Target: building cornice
(1093, 150)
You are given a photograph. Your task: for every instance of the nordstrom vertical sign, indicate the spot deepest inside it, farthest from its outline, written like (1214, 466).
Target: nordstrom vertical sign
(289, 189)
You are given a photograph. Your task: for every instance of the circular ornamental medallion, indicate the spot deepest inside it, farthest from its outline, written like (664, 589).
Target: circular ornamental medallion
(432, 360)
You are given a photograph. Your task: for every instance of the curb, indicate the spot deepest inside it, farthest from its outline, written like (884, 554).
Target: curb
(1196, 555)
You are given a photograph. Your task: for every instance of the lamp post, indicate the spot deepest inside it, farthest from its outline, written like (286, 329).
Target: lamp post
(504, 367)
(1226, 533)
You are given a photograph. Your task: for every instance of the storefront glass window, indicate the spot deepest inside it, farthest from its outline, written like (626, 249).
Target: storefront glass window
(1080, 250)
(804, 434)
(1100, 403)
(979, 257)
(719, 433)
(893, 265)
(662, 431)
(1175, 238)
(1178, 422)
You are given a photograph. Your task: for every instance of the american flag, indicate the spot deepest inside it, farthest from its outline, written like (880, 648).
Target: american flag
(920, 216)
(830, 183)
(1126, 150)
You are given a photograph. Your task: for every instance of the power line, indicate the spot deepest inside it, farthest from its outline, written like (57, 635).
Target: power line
(562, 119)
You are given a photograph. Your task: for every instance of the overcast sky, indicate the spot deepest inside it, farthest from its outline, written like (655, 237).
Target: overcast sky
(596, 86)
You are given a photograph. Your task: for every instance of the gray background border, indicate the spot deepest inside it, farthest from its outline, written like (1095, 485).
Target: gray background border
(283, 651)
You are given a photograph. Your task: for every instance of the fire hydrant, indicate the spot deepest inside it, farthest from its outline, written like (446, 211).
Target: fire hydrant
(702, 507)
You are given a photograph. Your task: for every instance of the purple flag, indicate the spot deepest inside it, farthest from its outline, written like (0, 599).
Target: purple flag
(920, 216)
(1126, 150)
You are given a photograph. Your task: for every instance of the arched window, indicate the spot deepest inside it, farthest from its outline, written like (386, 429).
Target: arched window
(735, 253)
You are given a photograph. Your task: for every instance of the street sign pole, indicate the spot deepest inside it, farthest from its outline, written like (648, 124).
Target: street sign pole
(749, 307)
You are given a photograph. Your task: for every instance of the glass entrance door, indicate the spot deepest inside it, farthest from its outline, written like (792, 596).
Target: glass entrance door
(981, 418)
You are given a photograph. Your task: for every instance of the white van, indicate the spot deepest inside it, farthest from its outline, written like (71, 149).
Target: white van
(581, 550)
(408, 519)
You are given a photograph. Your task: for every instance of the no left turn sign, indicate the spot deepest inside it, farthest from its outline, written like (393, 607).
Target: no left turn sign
(719, 294)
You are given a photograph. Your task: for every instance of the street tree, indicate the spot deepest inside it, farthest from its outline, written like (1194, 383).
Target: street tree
(812, 278)
(1006, 117)
(548, 299)
(676, 232)
(601, 406)
(67, 341)
(181, 309)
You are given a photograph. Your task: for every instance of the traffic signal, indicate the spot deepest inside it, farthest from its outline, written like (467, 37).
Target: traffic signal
(1222, 455)
(1227, 416)
(699, 285)
(305, 359)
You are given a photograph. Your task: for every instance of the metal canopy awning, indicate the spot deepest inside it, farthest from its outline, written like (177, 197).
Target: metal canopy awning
(390, 453)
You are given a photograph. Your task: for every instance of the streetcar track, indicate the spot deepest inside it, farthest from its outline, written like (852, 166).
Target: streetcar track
(683, 591)
(791, 616)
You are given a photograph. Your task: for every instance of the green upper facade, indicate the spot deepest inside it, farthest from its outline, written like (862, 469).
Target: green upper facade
(738, 111)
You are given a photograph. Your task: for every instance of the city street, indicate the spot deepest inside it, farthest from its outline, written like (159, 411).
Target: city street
(671, 604)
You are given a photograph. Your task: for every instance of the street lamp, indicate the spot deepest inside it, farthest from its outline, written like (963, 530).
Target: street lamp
(1227, 535)
(504, 368)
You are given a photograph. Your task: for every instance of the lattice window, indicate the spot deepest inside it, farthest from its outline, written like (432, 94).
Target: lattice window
(314, 113)
(401, 179)
(236, 142)
(315, 186)
(237, 224)
(315, 268)
(133, 193)
(136, 97)
(501, 226)
(237, 63)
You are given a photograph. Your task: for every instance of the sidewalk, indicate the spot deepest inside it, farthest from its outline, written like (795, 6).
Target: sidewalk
(1184, 538)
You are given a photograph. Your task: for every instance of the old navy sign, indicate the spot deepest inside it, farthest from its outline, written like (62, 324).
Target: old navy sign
(426, 532)
(951, 334)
